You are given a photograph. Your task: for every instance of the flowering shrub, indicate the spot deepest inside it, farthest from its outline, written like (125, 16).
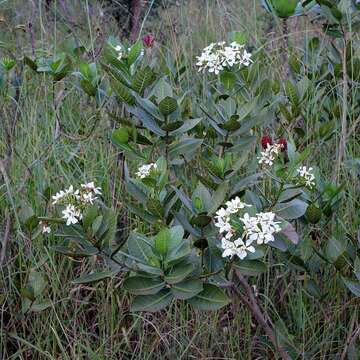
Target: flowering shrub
(211, 195)
(189, 187)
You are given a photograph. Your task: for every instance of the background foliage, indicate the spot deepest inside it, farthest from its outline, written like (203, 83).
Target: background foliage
(55, 132)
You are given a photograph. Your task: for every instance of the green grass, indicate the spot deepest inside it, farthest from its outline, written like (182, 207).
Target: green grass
(93, 322)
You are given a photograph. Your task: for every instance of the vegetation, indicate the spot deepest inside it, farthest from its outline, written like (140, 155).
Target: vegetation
(211, 197)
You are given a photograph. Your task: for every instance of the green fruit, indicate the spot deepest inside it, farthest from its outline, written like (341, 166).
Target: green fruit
(284, 8)
(313, 214)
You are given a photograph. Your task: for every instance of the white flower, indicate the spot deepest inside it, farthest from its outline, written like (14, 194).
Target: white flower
(306, 176)
(269, 154)
(238, 248)
(64, 194)
(234, 205)
(71, 215)
(58, 197)
(145, 170)
(119, 50)
(88, 198)
(222, 219)
(260, 228)
(91, 187)
(45, 228)
(89, 192)
(215, 57)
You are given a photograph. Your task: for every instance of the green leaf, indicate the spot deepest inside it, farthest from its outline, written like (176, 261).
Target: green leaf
(187, 289)
(291, 210)
(335, 248)
(201, 198)
(97, 276)
(35, 285)
(292, 94)
(152, 303)
(28, 218)
(176, 237)
(211, 298)
(250, 267)
(90, 251)
(184, 147)
(178, 273)
(353, 286)
(188, 125)
(134, 53)
(139, 285)
(168, 105)
(122, 92)
(228, 79)
(120, 136)
(218, 197)
(238, 37)
(179, 253)
(143, 79)
(139, 247)
(162, 241)
(89, 216)
(95, 226)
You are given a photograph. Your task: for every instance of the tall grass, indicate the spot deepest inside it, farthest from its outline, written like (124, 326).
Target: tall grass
(93, 322)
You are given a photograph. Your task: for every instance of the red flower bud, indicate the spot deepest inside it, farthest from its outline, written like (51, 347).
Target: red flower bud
(283, 144)
(148, 40)
(265, 141)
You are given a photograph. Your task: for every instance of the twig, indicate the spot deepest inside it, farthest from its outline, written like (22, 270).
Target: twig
(6, 237)
(261, 318)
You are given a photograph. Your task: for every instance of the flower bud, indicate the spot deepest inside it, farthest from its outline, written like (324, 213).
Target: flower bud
(282, 142)
(265, 141)
(148, 40)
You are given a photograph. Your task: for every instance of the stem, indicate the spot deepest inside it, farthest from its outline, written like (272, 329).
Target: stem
(263, 320)
(343, 136)
(285, 31)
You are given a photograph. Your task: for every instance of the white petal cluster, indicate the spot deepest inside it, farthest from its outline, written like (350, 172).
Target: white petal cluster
(145, 170)
(72, 215)
(238, 248)
(89, 192)
(218, 56)
(269, 155)
(222, 222)
(119, 51)
(76, 201)
(306, 176)
(222, 218)
(45, 228)
(260, 228)
(234, 205)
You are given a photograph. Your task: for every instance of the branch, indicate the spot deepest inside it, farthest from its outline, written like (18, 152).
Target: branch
(261, 318)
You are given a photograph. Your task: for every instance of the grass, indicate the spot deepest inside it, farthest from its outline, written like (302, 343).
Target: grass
(93, 322)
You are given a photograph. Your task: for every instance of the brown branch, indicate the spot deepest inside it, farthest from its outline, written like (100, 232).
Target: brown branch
(136, 11)
(250, 301)
(6, 237)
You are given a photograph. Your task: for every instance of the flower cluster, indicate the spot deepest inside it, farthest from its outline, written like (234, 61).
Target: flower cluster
(267, 140)
(269, 155)
(260, 228)
(145, 170)
(257, 229)
(218, 56)
(120, 53)
(75, 201)
(306, 177)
